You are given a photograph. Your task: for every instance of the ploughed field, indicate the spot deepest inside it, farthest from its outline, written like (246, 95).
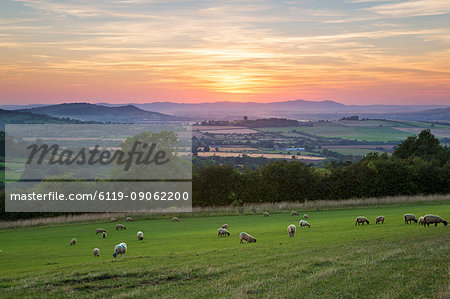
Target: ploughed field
(334, 258)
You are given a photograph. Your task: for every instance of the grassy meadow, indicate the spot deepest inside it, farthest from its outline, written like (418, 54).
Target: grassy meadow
(334, 258)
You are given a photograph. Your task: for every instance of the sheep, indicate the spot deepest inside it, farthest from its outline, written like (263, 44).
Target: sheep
(120, 249)
(140, 235)
(225, 226)
(247, 237)
(96, 252)
(379, 219)
(362, 220)
(291, 230)
(266, 214)
(421, 221)
(100, 230)
(73, 242)
(104, 235)
(294, 213)
(175, 219)
(120, 226)
(409, 218)
(129, 219)
(430, 219)
(113, 219)
(303, 223)
(305, 216)
(222, 232)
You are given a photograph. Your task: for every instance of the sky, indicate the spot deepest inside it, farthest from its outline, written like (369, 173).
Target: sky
(130, 51)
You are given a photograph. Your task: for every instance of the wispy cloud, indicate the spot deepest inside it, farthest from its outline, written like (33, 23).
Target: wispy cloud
(413, 8)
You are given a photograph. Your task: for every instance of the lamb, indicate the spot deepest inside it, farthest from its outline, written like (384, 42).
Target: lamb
(294, 213)
(120, 226)
(120, 249)
(96, 252)
(222, 232)
(266, 214)
(303, 223)
(129, 219)
(73, 242)
(291, 230)
(140, 235)
(421, 221)
(305, 216)
(409, 218)
(362, 220)
(225, 226)
(100, 230)
(113, 219)
(247, 237)
(430, 219)
(104, 235)
(379, 219)
(175, 219)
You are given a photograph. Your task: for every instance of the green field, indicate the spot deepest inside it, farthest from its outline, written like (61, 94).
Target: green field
(333, 259)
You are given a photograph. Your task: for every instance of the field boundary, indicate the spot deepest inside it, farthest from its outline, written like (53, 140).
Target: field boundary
(249, 209)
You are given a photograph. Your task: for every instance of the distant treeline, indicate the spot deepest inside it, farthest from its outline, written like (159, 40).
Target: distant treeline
(419, 165)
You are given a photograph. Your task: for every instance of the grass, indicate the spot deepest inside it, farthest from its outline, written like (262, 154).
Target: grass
(334, 258)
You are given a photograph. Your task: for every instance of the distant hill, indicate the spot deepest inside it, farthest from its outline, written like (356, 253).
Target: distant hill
(439, 114)
(92, 112)
(19, 117)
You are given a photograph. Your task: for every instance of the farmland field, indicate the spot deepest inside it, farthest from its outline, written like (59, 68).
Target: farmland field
(334, 258)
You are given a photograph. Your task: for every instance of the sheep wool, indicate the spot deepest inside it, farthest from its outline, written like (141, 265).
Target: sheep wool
(362, 220)
(99, 231)
(291, 230)
(303, 223)
(266, 214)
(113, 219)
(120, 226)
(305, 216)
(225, 226)
(294, 213)
(379, 219)
(73, 242)
(96, 252)
(246, 237)
(409, 218)
(129, 219)
(104, 235)
(120, 249)
(433, 219)
(222, 232)
(175, 219)
(140, 235)
(421, 221)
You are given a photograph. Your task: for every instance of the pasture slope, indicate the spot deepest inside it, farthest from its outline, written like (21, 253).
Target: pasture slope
(332, 259)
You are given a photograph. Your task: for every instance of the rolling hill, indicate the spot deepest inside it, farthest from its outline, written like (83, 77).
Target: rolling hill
(20, 117)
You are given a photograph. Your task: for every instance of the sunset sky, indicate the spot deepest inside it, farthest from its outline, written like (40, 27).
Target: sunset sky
(350, 51)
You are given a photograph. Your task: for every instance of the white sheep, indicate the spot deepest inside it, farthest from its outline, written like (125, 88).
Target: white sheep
(305, 216)
(409, 218)
(120, 226)
(73, 242)
(421, 221)
(96, 252)
(291, 230)
(140, 235)
(129, 219)
(430, 219)
(266, 214)
(113, 219)
(104, 235)
(120, 249)
(303, 223)
(225, 226)
(175, 219)
(246, 237)
(294, 213)
(222, 232)
(379, 219)
(99, 230)
(362, 220)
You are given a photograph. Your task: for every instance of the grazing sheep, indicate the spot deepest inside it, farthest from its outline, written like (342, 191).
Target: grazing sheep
(379, 219)
(73, 242)
(113, 219)
(266, 214)
(104, 235)
(120, 249)
(100, 230)
(140, 235)
(225, 226)
(175, 219)
(303, 223)
(421, 221)
(430, 219)
(294, 213)
(409, 218)
(120, 226)
(247, 237)
(222, 232)
(362, 220)
(305, 216)
(291, 230)
(129, 219)
(96, 252)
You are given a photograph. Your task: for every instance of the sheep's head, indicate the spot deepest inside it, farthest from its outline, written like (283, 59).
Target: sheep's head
(228, 233)
(415, 220)
(114, 255)
(445, 223)
(368, 221)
